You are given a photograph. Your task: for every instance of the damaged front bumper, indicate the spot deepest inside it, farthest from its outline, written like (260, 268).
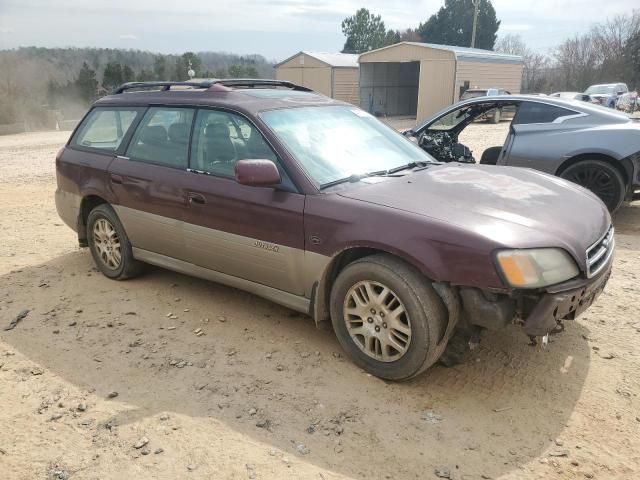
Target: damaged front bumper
(563, 302)
(540, 311)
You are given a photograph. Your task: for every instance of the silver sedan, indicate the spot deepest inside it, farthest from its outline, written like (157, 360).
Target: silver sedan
(590, 145)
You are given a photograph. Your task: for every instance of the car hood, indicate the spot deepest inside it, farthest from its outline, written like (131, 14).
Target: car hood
(513, 207)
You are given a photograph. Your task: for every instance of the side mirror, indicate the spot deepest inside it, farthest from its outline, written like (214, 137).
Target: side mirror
(257, 173)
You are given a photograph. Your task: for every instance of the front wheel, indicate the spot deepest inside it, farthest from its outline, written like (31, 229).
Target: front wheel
(387, 317)
(601, 178)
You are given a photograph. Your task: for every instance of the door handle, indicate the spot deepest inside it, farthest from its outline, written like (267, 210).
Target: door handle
(196, 198)
(116, 179)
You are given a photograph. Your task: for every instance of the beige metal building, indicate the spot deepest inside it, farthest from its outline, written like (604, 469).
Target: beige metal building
(332, 74)
(418, 79)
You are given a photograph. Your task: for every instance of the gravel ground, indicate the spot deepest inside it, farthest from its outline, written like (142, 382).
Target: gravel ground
(107, 380)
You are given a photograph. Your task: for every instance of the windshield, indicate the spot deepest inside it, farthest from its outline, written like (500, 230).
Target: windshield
(336, 142)
(453, 119)
(600, 89)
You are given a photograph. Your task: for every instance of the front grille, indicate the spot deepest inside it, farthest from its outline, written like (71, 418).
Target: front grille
(599, 253)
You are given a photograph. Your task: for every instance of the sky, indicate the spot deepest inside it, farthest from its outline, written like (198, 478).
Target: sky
(273, 28)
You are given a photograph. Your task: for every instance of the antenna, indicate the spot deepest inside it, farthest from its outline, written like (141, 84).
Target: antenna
(190, 72)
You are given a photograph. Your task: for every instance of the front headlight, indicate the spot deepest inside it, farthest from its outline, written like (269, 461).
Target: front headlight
(536, 267)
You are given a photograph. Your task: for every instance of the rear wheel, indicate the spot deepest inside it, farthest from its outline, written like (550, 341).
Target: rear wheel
(387, 317)
(109, 244)
(601, 178)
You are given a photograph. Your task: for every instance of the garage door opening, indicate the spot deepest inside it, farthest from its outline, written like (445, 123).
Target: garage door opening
(390, 89)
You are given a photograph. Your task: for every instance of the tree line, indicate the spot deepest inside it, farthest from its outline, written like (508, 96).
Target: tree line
(608, 52)
(34, 80)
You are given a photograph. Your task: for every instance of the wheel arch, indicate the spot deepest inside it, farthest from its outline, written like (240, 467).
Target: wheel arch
(88, 203)
(320, 298)
(624, 166)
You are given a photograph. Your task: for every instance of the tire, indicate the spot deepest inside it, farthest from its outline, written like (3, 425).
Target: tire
(106, 237)
(424, 318)
(490, 156)
(602, 178)
(495, 119)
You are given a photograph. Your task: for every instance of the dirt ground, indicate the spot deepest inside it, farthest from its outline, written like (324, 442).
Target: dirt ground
(263, 394)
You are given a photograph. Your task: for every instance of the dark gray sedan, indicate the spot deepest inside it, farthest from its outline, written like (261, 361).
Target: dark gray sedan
(590, 145)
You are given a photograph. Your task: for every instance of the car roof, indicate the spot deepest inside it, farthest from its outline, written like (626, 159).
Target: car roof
(571, 104)
(247, 99)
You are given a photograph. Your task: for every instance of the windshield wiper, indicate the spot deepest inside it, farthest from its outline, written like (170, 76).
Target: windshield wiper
(356, 177)
(408, 166)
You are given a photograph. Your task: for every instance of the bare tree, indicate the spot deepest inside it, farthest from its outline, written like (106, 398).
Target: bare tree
(511, 44)
(534, 64)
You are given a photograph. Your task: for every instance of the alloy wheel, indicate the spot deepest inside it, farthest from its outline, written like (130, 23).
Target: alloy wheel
(107, 243)
(597, 180)
(377, 321)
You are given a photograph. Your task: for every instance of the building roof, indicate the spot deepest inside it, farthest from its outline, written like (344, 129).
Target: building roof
(463, 53)
(331, 59)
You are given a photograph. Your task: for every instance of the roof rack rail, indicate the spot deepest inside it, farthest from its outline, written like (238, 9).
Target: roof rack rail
(229, 82)
(167, 85)
(260, 82)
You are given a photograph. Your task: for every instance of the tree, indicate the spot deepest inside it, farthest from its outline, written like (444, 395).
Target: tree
(511, 44)
(242, 71)
(86, 83)
(534, 64)
(144, 75)
(632, 60)
(611, 39)
(453, 25)
(127, 74)
(160, 67)
(112, 75)
(365, 31)
(220, 73)
(410, 35)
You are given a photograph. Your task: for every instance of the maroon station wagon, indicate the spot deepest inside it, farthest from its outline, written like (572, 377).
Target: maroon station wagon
(316, 205)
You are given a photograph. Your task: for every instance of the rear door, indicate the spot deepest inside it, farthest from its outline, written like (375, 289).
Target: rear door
(253, 233)
(149, 181)
(83, 167)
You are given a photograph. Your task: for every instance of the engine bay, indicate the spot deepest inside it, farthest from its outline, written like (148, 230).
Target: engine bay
(444, 147)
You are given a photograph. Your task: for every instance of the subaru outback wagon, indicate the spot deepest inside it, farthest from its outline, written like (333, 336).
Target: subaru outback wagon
(316, 205)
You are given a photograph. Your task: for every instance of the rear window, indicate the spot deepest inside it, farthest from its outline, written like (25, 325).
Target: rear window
(534, 112)
(105, 128)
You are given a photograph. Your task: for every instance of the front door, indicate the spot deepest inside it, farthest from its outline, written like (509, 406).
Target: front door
(149, 181)
(253, 233)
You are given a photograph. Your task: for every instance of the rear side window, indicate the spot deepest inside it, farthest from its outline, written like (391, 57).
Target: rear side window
(533, 112)
(162, 137)
(105, 128)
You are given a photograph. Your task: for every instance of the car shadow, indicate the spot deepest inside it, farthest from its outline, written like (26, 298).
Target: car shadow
(500, 409)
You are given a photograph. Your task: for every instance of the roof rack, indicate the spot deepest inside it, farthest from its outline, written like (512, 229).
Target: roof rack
(230, 82)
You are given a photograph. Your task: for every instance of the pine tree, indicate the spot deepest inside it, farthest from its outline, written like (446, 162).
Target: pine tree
(86, 83)
(453, 25)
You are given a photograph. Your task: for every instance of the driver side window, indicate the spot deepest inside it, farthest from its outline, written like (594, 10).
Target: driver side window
(220, 139)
